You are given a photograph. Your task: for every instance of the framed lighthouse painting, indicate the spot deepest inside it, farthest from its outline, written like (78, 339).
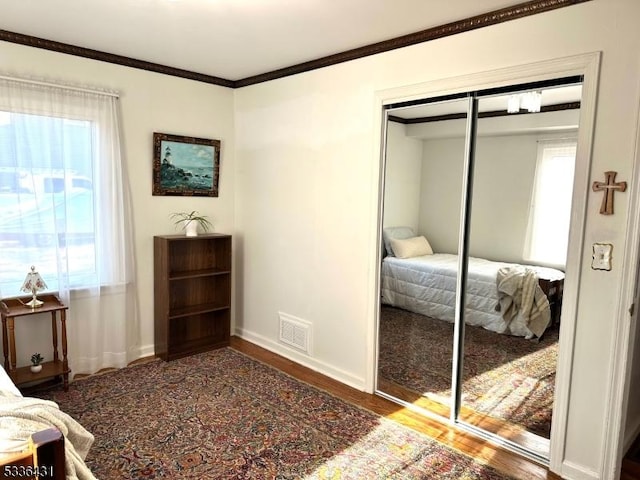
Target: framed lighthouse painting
(185, 166)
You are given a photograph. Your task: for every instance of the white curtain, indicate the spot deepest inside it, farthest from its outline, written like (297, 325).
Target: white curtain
(65, 208)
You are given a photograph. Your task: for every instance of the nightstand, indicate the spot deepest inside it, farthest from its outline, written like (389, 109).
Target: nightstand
(14, 308)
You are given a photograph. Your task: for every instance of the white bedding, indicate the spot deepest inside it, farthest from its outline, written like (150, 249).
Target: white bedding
(427, 285)
(6, 385)
(21, 416)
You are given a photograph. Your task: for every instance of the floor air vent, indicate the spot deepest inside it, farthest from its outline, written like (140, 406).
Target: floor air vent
(295, 332)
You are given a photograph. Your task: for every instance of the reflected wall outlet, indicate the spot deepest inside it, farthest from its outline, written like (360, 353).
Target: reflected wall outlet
(601, 256)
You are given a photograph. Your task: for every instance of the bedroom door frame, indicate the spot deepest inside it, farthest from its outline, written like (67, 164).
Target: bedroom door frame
(626, 338)
(585, 65)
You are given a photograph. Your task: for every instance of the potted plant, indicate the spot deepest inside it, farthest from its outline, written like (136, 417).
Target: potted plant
(36, 361)
(190, 221)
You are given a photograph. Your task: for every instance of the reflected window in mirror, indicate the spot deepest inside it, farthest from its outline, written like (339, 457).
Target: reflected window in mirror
(550, 210)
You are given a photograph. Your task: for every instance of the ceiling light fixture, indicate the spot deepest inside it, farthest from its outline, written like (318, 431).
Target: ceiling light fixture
(513, 106)
(531, 101)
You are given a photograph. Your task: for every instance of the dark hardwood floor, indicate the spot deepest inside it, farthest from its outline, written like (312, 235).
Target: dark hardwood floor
(498, 458)
(631, 463)
(630, 470)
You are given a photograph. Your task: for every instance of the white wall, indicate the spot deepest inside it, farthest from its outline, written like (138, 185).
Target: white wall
(304, 212)
(403, 168)
(307, 191)
(150, 102)
(441, 192)
(506, 153)
(504, 172)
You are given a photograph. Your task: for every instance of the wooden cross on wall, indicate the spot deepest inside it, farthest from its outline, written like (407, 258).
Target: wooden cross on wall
(609, 187)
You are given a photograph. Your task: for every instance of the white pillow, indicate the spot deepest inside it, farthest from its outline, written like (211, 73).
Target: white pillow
(411, 247)
(395, 232)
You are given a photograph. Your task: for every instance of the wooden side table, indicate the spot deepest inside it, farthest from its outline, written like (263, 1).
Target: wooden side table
(12, 308)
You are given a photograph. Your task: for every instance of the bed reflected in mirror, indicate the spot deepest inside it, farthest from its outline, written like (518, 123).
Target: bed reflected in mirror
(517, 227)
(423, 185)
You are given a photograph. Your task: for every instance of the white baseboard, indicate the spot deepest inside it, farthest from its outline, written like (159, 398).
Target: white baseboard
(144, 351)
(110, 360)
(571, 471)
(309, 362)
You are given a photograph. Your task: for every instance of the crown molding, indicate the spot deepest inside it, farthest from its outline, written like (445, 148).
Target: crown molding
(479, 21)
(521, 10)
(77, 51)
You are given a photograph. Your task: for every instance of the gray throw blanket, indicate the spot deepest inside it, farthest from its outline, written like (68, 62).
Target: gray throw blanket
(522, 301)
(22, 416)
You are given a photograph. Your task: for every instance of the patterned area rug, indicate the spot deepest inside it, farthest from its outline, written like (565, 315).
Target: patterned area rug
(222, 415)
(506, 377)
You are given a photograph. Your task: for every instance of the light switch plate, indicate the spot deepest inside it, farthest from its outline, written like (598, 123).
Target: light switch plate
(601, 256)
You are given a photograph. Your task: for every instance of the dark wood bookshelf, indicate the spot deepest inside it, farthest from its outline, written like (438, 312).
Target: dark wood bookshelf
(192, 299)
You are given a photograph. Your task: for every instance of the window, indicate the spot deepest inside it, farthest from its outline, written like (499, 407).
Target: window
(550, 211)
(46, 199)
(65, 208)
(62, 203)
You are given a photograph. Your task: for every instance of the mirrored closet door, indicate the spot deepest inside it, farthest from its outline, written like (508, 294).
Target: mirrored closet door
(416, 345)
(475, 225)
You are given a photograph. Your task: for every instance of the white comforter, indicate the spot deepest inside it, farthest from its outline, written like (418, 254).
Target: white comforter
(427, 285)
(21, 416)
